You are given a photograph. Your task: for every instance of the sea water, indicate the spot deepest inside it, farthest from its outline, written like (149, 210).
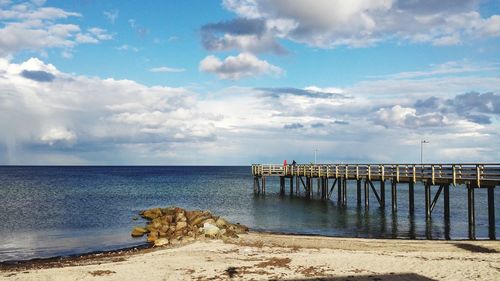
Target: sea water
(48, 211)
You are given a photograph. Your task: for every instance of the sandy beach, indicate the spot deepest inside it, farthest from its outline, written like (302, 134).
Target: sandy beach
(261, 256)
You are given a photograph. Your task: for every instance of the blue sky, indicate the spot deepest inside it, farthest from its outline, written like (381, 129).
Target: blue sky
(243, 81)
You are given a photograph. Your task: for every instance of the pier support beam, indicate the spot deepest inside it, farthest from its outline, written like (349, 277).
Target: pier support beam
(471, 212)
(427, 201)
(411, 197)
(382, 193)
(263, 185)
(297, 186)
(339, 191)
(344, 192)
(282, 186)
(358, 191)
(394, 196)
(255, 185)
(491, 213)
(367, 194)
(446, 200)
(326, 188)
(291, 185)
(308, 187)
(318, 187)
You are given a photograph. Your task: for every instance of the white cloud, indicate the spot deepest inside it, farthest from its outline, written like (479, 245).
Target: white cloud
(54, 117)
(126, 47)
(166, 69)
(237, 67)
(358, 23)
(58, 135)
(399, 116)
(91, 114)
(27, 26)
(111, 15)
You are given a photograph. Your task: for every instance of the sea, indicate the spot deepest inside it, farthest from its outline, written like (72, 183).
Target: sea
(53, 211)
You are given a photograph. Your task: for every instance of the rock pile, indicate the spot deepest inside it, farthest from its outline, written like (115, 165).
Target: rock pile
(175, 225)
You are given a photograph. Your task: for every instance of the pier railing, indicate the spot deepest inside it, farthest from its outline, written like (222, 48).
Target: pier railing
(468, 173)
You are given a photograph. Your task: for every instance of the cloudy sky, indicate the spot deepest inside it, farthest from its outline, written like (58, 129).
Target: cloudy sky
(236, 82)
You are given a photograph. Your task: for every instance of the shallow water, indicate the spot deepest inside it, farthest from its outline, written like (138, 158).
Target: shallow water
(53, 211)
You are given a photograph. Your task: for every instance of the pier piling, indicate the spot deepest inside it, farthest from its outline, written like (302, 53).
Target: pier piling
(367, 194)
(358, 192)
(446, 201)
(382, 193)
(411, 197)
(471, 212)
(394, 198)
(491, 213)
(427, 201)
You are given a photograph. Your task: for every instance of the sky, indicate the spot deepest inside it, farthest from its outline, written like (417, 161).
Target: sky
(236, 82)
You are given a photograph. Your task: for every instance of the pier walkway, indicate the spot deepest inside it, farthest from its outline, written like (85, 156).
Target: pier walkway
(440, 176)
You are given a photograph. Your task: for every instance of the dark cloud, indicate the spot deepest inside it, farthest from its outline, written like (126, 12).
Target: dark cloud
(293, 126)
(213, 36)
(476, 102)
(278, 92)
(479, 119)
(428, 105)
(426, 120)
(472, 106)
(38, 75)
(238, 26)
(432, 6)
(317, 125)
(340, 122)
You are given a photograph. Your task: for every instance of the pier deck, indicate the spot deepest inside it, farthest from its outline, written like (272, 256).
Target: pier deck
(471, 175)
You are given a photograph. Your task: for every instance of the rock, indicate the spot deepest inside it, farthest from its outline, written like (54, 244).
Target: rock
(221, 223)
(151, 228)
(209, 221)
(161, 242)
(210, 230)
(151, 213)
(175, 242)
(152, 236)
(166, 220)
(198, 220)
(239, 228)
(139, 231)
(170, 226)
(190, 215)
(231, 233)
(187, 239)
(181, 225)
(168, 211)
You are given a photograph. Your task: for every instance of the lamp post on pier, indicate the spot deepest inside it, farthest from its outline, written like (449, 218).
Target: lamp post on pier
(315, 152)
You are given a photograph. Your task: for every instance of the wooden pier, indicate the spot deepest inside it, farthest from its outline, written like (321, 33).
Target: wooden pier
(368, 176)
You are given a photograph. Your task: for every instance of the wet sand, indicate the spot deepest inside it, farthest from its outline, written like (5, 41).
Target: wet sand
(261, 256)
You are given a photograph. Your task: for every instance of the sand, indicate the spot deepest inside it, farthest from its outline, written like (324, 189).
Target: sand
(260, 256)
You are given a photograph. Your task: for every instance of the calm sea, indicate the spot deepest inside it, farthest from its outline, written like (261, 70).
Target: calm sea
(59, 211)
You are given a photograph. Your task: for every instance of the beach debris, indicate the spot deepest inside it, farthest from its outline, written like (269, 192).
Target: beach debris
(173, 226)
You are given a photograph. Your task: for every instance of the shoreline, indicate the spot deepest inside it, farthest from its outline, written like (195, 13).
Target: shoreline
(146, 246)
(50, 262)
(259, 255)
